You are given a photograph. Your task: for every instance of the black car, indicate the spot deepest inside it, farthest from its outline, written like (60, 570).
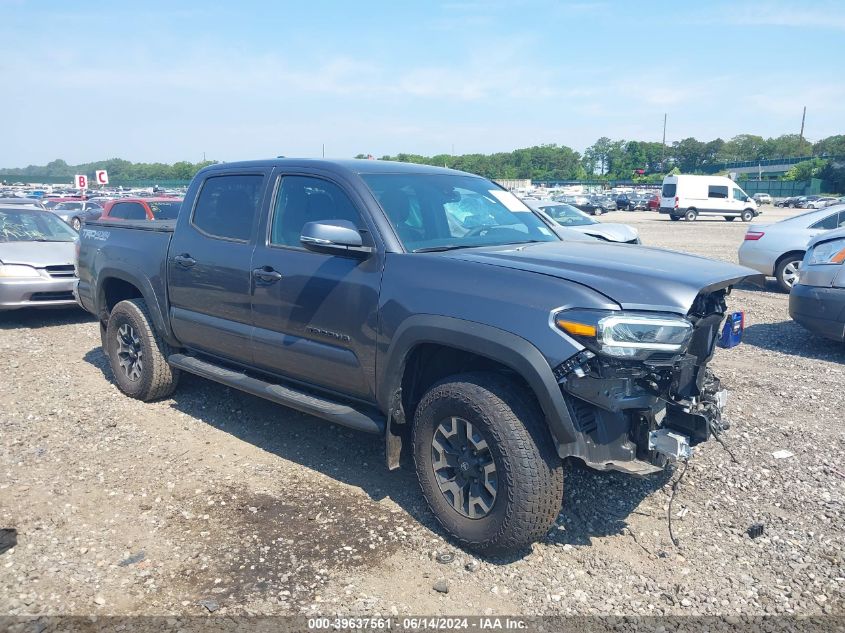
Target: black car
(632, 202)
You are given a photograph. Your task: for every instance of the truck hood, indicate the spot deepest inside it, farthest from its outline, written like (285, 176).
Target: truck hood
(37, 254)
(635, 277)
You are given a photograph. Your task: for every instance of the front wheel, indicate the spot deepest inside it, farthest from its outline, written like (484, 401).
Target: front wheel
(486, 462)
(747, 215)
(137, 353)
(76, 223)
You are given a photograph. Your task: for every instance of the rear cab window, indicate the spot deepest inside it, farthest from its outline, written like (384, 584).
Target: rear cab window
(227, 206)
(669, 190)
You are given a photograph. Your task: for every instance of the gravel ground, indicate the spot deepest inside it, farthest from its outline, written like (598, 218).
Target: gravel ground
(217, 501)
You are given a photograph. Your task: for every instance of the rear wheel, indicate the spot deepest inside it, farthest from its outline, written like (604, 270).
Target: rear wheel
(747, 215)
(730, 218)
(690, 215)
(137, 353)
(486, 462)
(786, 272)
(674, 218)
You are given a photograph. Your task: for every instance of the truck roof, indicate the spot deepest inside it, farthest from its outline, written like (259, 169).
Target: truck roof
(354, 165)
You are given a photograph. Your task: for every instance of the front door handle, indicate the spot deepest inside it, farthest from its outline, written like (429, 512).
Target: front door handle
(185, 260)
(267, 274)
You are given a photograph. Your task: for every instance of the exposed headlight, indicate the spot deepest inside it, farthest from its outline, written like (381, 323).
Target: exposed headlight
(832, 252)
(626, 334)
(18, 271)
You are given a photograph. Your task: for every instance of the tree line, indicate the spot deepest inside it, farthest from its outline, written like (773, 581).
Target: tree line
(637, 160)
(604, 159)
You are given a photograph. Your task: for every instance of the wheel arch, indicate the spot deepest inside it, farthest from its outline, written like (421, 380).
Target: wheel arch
(115, 285)
(475, 346)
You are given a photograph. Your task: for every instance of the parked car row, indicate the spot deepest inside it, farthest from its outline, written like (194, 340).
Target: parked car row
(810, 202)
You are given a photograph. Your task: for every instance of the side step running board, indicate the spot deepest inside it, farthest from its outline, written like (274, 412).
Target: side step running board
(330, 410)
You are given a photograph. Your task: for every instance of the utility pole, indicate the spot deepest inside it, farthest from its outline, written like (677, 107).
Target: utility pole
(663, 147)
(803, 116)
(324, 150)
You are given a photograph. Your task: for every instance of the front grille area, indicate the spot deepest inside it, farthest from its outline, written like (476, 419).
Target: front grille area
(63, 271)
(52, 296)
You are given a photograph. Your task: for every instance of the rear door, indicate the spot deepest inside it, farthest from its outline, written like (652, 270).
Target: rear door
(315, 314)
(209, 264)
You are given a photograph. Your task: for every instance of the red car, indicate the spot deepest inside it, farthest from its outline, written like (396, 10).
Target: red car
(142, 209)
(654, 203)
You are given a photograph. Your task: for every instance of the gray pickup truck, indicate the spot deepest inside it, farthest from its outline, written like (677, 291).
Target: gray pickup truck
(430, 307)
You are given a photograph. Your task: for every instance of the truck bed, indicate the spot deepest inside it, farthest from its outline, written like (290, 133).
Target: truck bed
(138, 248)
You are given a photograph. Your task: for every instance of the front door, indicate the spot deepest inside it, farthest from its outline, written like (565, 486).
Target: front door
(315, 314)
(209, 266)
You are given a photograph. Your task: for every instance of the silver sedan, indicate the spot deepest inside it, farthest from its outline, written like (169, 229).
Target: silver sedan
(817, 299)
(776, 250)
(571, 218)
(36, 259)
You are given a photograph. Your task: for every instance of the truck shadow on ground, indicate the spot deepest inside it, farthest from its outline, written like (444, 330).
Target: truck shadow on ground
(595, 504)
(787, 337)
(43, 318)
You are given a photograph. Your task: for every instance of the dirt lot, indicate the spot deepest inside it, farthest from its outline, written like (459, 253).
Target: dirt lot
(130, 508)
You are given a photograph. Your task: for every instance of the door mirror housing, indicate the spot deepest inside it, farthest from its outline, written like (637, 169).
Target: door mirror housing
(338, 237)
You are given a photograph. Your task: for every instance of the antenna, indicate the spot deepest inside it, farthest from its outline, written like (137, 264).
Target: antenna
(663, 147)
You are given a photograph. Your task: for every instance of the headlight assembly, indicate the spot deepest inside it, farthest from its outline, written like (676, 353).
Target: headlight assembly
(17, 271)
(832, 252)
(626, 334)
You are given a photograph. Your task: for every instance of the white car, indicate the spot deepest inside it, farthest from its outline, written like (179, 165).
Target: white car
(776, 250)
(821, 203)
(569, 217)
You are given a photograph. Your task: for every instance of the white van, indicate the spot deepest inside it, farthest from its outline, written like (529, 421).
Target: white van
(688, 197)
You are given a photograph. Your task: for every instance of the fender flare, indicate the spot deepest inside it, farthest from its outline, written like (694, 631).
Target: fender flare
(147, 293)
(498, 345)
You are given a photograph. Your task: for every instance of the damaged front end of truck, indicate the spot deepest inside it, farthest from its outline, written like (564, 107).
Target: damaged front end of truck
(640, 393)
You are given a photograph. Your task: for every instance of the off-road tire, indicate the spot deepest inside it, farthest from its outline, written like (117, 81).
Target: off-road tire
(157, 379)
(529, 471)
(690, 215)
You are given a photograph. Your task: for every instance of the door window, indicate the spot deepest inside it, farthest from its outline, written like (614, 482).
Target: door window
(739, 195)
(717, 191)
(228, 205)
(303, 199)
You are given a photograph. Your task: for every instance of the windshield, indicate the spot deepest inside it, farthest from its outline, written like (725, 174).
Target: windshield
(439, 212)
(165, 210)
(33, 226)
(567, 215)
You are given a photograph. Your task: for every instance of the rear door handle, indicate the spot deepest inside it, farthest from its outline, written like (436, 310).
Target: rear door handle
(185, 260)
(267, 274)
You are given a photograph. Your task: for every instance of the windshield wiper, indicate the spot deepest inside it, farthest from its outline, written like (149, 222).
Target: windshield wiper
(448, 247)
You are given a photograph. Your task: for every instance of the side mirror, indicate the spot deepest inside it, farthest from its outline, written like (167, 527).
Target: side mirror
(338, 237)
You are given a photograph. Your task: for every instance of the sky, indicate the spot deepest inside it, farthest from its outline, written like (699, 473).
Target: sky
(180, 80)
